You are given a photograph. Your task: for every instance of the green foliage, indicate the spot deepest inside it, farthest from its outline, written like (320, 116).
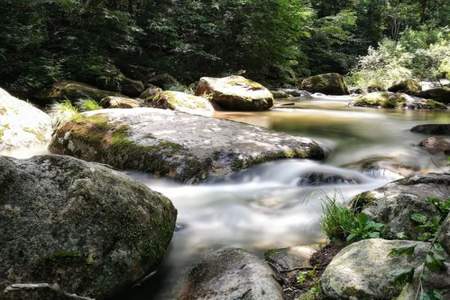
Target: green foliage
(341, 223)
(428, 226)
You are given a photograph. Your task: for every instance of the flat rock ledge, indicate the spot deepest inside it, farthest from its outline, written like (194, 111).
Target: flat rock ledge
(181, 146)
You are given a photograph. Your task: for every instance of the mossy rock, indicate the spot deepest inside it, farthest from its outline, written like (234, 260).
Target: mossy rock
(166, 143)
(390, 100)
(331, 84)
(74, 91)
(408, 86)
(235, 93)
(88, 229)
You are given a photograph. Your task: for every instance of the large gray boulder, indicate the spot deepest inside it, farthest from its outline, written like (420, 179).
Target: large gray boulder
(79, 227)
(182, 146)
(395, 203)
(368, 270)
(22, 126)
(231, 274)
(235, 93)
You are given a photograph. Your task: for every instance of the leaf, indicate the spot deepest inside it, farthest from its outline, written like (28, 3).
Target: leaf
(434, 262)
(419, 218)
(431, 295)
(408, 251)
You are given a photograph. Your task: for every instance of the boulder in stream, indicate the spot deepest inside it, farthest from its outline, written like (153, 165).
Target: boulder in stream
(435, 129)
(235, 93)
(440, 94)
(407, 86)
(22, 126)
(79, 227)
(367, 270)
(75, 91)
(436, 145)
(396, 101)
(230, 274)
(395, 203)
(181, 102)
(120, 102)
(185, 147)
(330, 84)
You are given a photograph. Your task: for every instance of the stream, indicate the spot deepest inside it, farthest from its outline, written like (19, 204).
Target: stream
(279, 204)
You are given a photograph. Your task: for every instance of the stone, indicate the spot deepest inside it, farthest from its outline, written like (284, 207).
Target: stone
(330, 84)
(436, 145)
(367, 270)
(120, 102)
(82, 226)
(435, 129)
(185, 147)
(166, 82)
(441, 94)
(395, 203)
(75, 91)
(181, 102)
(408, 86)
(235, 93)
(230, 274)
(131, 88)
(396, 101)
(22, 126)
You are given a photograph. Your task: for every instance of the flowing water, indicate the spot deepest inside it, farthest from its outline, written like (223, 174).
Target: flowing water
(279, 204)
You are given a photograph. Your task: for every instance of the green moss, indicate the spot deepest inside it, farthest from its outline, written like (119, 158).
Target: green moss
(39, 135)
(244, 82)
(361, 201)
(2, 132)
(90, 104)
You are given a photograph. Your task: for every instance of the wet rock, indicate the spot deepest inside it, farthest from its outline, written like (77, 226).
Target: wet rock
(317, 179)
(231, 274)
(435, 129)
(395, 203)
(436, 145)
(408, 86)
(397, 101)
(181, 102)
(22, 125)
(384, 166)
(150, 92)
(39, 291)
(290, 260)
(182, 146)
(75, 91)
(330, 84)
(120, 102)
(441, 94)
(367, 270)
(82, 226)
(280, 94)
(235, 93)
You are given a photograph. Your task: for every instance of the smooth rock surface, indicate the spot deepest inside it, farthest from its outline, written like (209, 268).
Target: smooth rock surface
(22, 126)
(235, 93)
(394, 203)
(182, 146)
(396, 101)
(80, 225)
(436, 145)
(120, 102)
(231, 274)
(366, 270)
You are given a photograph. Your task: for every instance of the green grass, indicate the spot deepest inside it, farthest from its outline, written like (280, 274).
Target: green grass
(340, 223)
(90, 104)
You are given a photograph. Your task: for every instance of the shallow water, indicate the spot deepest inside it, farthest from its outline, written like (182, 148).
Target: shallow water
(279, 204)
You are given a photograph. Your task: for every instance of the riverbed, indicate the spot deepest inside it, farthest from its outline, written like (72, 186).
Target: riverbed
(279, 204)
